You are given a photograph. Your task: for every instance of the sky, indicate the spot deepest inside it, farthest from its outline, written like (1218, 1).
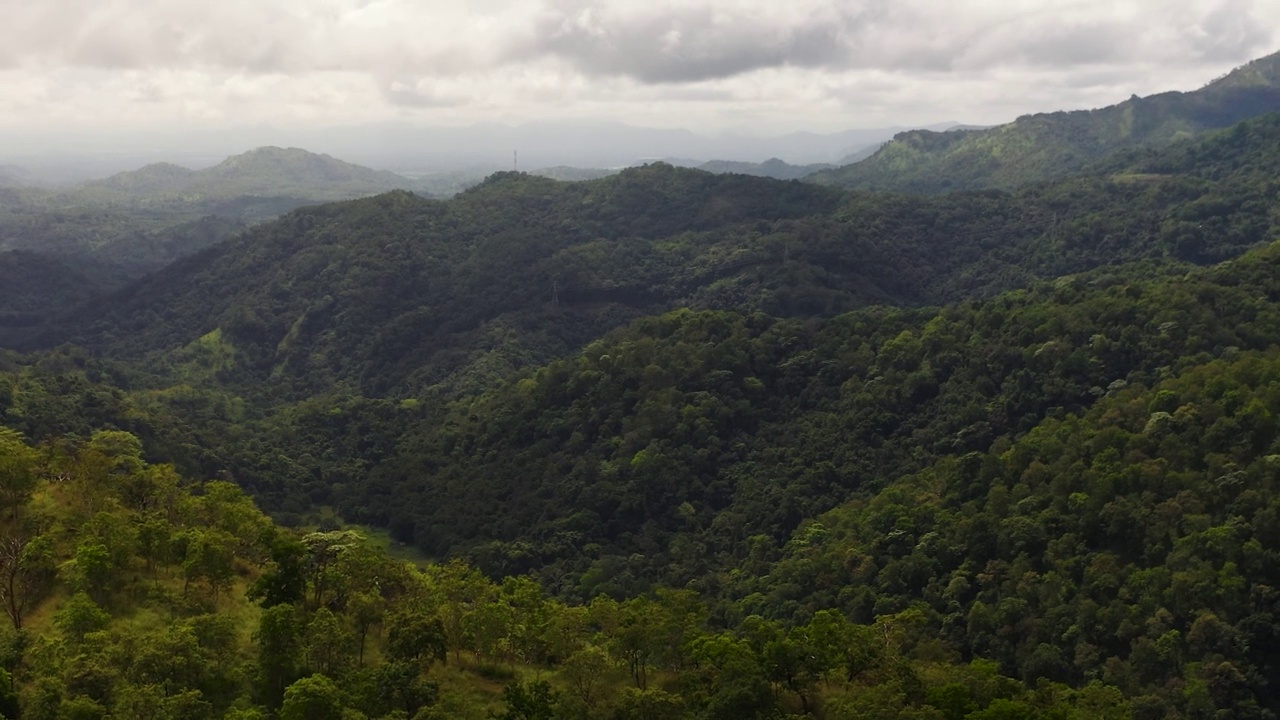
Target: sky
(748, 66)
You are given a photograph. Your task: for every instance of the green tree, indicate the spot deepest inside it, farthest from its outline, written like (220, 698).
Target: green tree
(530, 701)
(79, 616)
(19, 471)
(416, 637)
(279, 640)
(314, 697)
(27, 570)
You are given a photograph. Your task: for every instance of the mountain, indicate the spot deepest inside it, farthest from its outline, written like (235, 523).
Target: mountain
(1038, 147)
(360, 355)
(397, 292)
(264, 172)
(120, 228)
(1100, 446)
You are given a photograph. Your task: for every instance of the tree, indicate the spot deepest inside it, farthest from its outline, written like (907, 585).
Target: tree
(80, 616)
(323, 552)
(637, 637)
(211, 557)
(400, 685)
(586, 673)
(90, 570)
(279, 640)
(315, 697)
(284, 581)
(328, 644)
(26, 571)
(18, 471)
(416, 637)
(530, 701)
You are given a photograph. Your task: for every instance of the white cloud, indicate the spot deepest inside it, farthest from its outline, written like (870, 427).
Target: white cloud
(820, 64)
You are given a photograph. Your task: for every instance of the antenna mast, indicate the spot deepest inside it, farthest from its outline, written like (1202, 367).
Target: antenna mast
(515, 161)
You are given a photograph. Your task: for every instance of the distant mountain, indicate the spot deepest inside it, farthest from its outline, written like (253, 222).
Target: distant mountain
(772, 167)
(264, 172)
(1037, 147)
(131, 223)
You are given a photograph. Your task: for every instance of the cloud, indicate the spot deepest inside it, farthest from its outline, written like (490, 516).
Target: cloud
(687, 42)
(419, 94)
(814, 63)
(1232, 32)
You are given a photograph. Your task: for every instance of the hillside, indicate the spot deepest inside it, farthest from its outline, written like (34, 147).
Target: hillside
(133, 592)
(34, 287)
(699, 430)
(1062, 505)
(1038, 147)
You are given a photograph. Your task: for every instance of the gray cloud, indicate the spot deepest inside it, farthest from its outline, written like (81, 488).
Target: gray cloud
(693, 42)
(1232, 32)
(418, 94)
(839, 63)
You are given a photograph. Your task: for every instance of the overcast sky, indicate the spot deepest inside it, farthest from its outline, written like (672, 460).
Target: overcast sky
(761, 65)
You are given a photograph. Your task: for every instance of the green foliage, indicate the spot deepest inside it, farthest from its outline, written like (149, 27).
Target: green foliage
(312, 698)
(649, 458)
(532, 701)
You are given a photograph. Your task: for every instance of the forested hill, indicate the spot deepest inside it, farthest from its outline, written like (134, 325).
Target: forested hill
(688, 443)
(264, 172)
(1043, 146)
(1063, 504)
(395, 294)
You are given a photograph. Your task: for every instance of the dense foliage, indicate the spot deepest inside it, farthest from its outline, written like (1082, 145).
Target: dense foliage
(692, 442)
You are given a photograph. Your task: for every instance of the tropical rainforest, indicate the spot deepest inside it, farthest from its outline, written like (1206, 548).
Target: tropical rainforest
(660, 444)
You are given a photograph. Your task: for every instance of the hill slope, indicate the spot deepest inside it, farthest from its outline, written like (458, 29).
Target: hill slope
(1043, 146)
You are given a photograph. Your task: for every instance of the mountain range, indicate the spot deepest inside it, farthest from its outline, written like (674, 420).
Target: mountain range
(1049, 145)
(660, 442)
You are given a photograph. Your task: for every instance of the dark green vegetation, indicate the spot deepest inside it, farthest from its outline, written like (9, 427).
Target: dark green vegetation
(1062, 504)
(669, 444)
(30, 283)
(1038, 147)
(131, 593)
